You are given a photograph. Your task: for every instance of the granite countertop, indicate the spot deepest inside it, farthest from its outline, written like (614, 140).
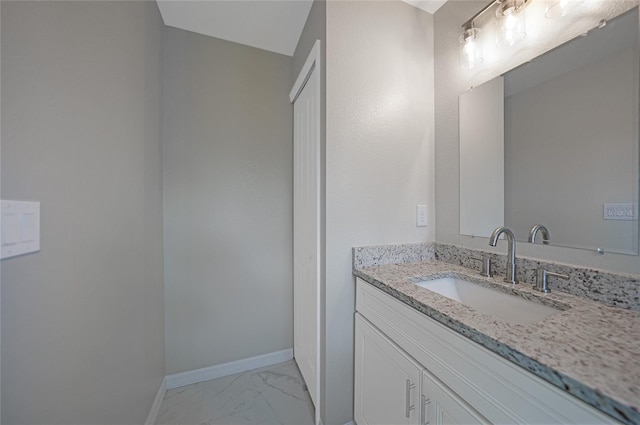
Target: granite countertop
(590, 350)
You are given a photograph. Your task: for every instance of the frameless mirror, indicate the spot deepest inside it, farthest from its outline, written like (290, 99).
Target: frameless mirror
(555, 142)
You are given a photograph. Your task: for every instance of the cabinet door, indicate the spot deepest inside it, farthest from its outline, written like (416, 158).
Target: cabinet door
(387, 381)
(441, 406)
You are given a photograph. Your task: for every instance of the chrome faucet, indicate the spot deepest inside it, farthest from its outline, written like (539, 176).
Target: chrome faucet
(485, 268)
(511, 254)
(541, 280)
(534, 232)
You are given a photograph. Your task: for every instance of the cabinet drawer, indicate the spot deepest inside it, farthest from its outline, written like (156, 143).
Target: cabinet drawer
(500, 390)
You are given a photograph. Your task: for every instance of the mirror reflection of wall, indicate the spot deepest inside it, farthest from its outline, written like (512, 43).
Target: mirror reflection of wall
(570, 141)
(482, 158)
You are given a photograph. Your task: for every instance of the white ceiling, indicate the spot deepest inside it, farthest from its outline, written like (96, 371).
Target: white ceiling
(427, 5)
(273, 25)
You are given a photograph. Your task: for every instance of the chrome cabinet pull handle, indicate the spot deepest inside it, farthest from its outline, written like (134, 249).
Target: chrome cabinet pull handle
(423, 410)
(409, 406)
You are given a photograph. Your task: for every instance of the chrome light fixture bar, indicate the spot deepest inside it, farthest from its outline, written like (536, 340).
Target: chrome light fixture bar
(470, 23)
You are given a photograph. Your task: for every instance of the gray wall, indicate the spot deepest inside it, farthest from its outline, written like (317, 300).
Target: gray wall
(82, 320)
(0, 198)
(379, 157)
(227, 167)
(451, 81)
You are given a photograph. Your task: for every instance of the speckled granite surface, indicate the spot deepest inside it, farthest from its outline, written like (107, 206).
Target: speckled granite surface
(590, 350)
(620, 290)
(378, 255)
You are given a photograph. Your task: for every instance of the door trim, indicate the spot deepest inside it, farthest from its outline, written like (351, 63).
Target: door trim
(313, 61)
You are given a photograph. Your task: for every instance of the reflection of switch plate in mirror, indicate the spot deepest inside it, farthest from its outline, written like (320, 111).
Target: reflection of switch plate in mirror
(624, 211)
(20, 228)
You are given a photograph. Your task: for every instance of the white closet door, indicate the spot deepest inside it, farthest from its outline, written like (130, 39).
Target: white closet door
(306, 229)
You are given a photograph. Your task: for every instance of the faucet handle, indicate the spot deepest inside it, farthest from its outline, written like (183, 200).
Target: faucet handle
(485, 268)
(541, 284)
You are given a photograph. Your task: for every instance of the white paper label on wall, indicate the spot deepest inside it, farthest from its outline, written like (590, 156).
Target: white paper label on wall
(20, 228)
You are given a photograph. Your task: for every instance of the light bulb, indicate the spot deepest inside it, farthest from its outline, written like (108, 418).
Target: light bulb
(511, 23)
(470, 49)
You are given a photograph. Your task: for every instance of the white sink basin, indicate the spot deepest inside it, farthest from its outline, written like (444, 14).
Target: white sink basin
(509, 308)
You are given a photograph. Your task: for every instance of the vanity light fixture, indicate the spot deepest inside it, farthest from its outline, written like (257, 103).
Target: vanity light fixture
(511, 29)
(510, 19)
(561, 8)
(470, 48)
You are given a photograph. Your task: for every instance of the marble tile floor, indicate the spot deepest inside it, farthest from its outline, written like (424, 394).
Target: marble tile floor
(273, 395)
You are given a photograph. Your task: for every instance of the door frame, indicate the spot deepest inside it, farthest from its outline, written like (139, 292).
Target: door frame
(311, 64)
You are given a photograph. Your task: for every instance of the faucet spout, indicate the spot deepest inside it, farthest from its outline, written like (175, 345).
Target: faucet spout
(511, 251)
(534, 232)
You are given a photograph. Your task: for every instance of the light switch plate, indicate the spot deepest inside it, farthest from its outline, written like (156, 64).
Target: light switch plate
(20, 227)
(421, 215)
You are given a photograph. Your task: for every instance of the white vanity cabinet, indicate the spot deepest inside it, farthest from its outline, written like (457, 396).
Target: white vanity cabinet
(392, 389)
(440, 405)
(387, 380)
(411, 369)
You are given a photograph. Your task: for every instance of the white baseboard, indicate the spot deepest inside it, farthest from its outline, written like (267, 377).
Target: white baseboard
(226, 369)
(348, 423)
(155, 407)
